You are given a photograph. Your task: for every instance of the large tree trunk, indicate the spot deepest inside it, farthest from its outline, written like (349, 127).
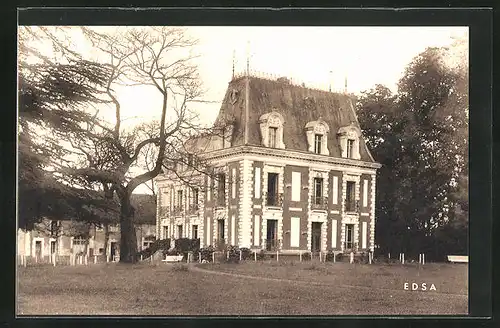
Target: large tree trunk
(128, 238)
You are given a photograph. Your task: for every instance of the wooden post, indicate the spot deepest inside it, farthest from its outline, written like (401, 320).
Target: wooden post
(334, 257)
(54, 259)
(255, 256)
(351, 260)
(95, 259)
(389, 256)
(369, 257)
(240, 254)
(403, 258)
(300, 256)
(199, 257)
(141, 257)
(213, 257)
(277, 256)
(423, 258)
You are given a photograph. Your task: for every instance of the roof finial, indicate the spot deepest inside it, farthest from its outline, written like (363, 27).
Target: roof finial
(248, 57)
(330, 82)
(234, 58)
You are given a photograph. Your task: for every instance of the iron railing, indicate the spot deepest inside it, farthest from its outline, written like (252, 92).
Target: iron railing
(274, 199)
(319, 203)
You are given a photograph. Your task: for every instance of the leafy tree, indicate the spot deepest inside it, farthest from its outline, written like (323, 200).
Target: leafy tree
(420, 137)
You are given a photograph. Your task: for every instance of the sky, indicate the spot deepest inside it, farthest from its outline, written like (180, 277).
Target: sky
(320, 57)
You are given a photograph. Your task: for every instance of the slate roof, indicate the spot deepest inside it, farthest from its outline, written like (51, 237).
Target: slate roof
(298, 104)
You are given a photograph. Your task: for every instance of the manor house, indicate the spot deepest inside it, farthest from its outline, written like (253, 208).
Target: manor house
(291, 173)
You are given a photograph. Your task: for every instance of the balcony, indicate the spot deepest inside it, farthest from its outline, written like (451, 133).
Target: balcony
(274, 200)
(273, 244)
(193, 208)
(220, 201)
(352, 206)
(177, 210)
(319, 203)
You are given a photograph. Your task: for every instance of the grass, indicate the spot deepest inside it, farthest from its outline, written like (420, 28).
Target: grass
(305, 288)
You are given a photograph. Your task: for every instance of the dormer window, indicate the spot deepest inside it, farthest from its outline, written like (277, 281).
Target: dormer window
(272, 137)
(317, 136)
(271, 128)
(318, 140)
(349, 141)
(350, 148)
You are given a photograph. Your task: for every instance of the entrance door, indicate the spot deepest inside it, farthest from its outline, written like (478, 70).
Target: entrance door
(112, 247)
(38, 249)
(272, 233)
(52, 247)
(220, 233)
(349, 236)
(316, 237)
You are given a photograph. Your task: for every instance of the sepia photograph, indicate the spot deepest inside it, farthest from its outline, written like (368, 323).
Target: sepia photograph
(242, 170)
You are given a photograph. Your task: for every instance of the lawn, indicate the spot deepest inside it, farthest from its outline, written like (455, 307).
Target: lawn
(262, 288)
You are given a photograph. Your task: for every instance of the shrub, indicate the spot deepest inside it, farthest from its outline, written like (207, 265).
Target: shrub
(185, 245)
(261, 255)
(159, 244)
(330, 256)
(246, 254)
(206, 254)
(306, 256)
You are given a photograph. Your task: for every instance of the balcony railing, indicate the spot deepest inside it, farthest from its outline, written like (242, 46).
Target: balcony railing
(352, 206)
(193, 208)
(220, 201)
(273, 244)
(274, 199)
(319, 203)
(177, 210)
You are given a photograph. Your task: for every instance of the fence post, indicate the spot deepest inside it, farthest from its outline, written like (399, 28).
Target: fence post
(54, 258)
(199, 257)
(255, 256)
(300, 256)
(141, 258)
(95, 259)
(403, 258)
(351, 260)
(389, 256)
(370, 257)
(277, 256)
(334, 257)
(213, 257)
(423, 258)
(240, 254)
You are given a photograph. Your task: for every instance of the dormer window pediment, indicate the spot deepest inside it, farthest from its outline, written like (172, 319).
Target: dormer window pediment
(271, 128)
(317, 136)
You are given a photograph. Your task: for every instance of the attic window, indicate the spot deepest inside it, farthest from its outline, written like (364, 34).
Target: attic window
(317, 136)
(271, 128)
(349, 141)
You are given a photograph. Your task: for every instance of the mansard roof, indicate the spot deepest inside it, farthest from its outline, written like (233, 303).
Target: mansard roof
(297, 104)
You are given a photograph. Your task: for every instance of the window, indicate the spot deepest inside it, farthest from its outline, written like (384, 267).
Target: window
(79, 240)
(54, 228)
(101, 250)
(221, 189)
(179, 198)
(318, 140)
(318, 191)
(195, 198)
(350, 148)
(349, 236)
(179, 231)
(349, 201)
(272, 137)
(195, 231)
(272, 189)
(165, 232)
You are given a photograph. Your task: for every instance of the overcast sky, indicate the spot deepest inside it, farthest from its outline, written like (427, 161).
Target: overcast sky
(317, 56)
